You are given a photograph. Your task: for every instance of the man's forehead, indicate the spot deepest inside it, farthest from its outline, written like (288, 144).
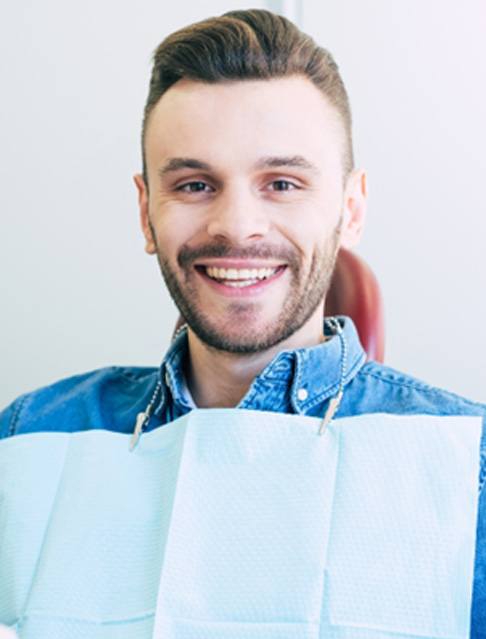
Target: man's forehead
(294, 99)
(284, 117)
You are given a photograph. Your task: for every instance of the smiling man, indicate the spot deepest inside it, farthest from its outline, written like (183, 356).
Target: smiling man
(245, 208)
(134, 506)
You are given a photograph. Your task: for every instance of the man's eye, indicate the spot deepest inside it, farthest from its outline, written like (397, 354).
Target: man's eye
(194, 187)
(282, 185)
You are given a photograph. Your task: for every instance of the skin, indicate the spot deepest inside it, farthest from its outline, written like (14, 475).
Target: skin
(267, 190)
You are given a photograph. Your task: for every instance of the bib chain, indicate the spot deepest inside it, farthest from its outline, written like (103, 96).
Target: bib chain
(334, 402)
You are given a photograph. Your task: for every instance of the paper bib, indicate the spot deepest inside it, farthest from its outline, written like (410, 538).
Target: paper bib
(234, 524)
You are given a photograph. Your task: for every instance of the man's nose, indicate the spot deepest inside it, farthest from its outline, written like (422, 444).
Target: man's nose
(237, 216)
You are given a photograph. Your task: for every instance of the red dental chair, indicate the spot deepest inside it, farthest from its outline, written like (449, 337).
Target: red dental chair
(355, 292)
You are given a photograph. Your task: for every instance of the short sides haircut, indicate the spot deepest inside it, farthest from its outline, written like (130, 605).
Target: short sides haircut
(247, 45)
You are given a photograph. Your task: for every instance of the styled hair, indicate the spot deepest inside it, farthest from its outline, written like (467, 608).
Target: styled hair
(247, 45)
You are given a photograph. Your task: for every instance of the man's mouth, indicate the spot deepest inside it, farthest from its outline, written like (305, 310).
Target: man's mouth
(239, 277)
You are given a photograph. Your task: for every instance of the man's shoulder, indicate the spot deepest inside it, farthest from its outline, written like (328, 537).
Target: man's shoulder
(395, 391)
(104, 398)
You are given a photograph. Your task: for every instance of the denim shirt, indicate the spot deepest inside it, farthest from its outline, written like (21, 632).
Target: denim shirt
(300, 381)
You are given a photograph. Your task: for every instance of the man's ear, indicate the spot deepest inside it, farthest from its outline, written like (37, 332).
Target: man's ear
(354, 208)
(143, 205)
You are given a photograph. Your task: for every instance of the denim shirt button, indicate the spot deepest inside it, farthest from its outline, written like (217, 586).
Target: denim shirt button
(302, 394)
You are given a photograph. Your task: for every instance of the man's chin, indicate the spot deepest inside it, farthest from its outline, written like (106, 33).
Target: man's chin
(242, 338)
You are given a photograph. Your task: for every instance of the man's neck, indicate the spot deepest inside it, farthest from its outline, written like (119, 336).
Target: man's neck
(220, 379)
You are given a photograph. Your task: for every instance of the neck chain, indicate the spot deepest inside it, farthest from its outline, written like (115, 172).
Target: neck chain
(331, 322)
(334, 402)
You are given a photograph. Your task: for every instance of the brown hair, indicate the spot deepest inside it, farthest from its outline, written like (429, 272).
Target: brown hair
(247, 45)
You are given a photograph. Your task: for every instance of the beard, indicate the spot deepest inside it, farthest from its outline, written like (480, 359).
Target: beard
(304, 295)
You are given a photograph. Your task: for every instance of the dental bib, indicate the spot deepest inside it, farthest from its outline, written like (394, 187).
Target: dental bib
(237, 524)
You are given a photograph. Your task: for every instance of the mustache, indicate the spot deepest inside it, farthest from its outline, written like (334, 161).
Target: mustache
(187, 255)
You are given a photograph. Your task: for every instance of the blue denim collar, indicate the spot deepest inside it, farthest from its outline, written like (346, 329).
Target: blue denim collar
(308, 375)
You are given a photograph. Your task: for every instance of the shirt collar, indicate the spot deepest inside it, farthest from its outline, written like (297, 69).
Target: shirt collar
(313, 374)
(172, 376)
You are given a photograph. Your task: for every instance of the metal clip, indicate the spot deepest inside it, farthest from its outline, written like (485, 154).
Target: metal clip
(330, 412)
(142, 418)
(139, 424)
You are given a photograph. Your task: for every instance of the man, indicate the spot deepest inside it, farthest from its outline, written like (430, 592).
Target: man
(248, 192)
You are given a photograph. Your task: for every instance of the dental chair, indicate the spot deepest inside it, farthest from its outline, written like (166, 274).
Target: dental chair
(355, 292)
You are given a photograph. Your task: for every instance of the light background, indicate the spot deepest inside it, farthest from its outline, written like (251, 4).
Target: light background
(77, 290)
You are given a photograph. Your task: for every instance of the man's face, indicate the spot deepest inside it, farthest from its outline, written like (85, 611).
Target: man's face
(246, 208)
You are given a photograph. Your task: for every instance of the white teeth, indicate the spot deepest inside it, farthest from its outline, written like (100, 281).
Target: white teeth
(239, 275)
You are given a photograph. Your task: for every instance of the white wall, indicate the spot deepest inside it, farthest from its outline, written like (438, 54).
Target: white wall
(416, 74)
(77, 290)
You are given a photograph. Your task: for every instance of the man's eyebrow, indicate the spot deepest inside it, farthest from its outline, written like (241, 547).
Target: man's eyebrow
(270, 161)
(292, 161)
(176, 164)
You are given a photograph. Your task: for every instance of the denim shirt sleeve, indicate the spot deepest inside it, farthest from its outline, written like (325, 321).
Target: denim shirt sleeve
(108, 398)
